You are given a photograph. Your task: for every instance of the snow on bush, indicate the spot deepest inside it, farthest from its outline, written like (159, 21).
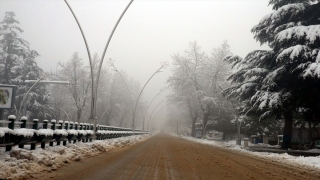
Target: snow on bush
(22, 163)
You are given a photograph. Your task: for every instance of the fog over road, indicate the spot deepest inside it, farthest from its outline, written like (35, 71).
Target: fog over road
(168, 157)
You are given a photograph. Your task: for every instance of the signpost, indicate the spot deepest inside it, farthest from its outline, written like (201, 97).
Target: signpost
(7, 94)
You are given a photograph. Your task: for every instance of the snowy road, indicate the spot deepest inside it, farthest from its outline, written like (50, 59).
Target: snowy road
(167, 157)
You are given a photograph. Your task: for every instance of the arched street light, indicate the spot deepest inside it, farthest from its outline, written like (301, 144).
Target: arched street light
(164, 65)
(163, 89)
(111, 63)
(94, 80)
(150, 117)
(141, 108)
(154, 109)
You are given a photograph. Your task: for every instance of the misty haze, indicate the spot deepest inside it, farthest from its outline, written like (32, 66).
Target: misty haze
(159, 89)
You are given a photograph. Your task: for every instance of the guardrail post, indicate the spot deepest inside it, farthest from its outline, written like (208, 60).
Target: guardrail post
(70, 126)
(23, 124)
(87, 128)
(45, 126)
(60, 127)
(12, 119)
(60, 122)
(84, 127)
(75, 125)
(53, 127)
(35, 127)
(97, 129)
(91, 128)
(66, 127)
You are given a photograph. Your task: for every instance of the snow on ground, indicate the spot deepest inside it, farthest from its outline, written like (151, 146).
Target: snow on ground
(311, 163)
(22, 163)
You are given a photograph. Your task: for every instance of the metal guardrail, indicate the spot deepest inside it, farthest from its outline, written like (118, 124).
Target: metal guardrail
(56, 132)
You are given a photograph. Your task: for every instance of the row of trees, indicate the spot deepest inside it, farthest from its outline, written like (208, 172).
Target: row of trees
(68, 102)
(114, 103)
(196, 82)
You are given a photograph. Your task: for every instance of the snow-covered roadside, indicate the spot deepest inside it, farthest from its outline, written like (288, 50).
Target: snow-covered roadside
(310, 163)
(22, 163)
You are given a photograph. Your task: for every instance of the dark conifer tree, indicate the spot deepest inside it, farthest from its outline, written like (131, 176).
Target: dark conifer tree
(284, 79)
(17, 64)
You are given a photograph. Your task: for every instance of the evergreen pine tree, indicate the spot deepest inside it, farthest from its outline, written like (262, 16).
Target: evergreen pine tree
(17, 64)
(284, 79)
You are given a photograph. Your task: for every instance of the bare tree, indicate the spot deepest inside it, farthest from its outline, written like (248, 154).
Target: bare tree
(201, 78)
(77, 74)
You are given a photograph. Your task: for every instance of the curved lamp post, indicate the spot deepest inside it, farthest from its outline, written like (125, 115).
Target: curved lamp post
(141, 110)
(163, 65)
(111, 63)
(151, 103)
(66, 114)
(150, 119)
(95, 81)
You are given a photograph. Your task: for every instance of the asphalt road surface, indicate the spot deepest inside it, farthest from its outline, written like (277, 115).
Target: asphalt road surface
(167, 157)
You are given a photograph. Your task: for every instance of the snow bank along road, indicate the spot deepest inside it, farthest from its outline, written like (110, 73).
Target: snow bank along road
(167, 157)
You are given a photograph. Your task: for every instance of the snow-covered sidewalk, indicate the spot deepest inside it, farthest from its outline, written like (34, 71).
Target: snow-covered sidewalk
(312, 163)
(20, 163)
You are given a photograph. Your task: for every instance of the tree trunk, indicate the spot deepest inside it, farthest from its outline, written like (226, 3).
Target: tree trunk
(6, 71)
(193, 127)
(79, 114)
(224, 135)
(287, 130)
(310, 131)
(107, 120)
(143, 124)
(205, 121)
(122, 118)
(177, 129)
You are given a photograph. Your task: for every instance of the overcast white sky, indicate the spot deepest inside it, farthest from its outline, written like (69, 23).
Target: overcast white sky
(149, 33)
